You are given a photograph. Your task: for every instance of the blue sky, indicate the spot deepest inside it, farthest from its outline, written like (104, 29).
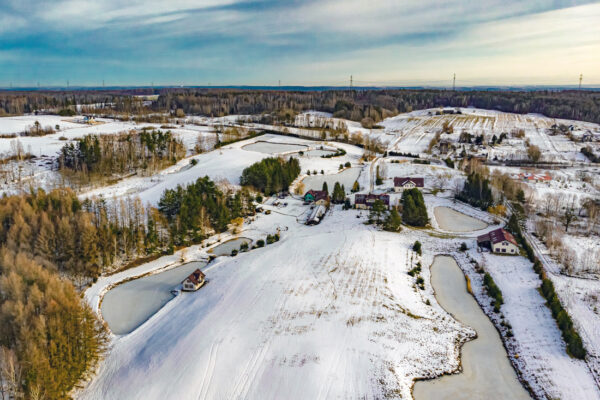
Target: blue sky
(380, 42)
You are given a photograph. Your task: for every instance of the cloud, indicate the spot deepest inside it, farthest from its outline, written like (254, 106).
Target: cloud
(315, 41)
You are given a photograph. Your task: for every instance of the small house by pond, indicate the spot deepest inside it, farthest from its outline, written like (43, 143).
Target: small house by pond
(194, 281)
(408, 183)
(499, 241)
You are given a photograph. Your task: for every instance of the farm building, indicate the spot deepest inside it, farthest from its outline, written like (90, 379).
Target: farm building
(316, 196)
(316, 215)
(545, 177)
(408, 183)
(365, 201)
(194, 281)
(499, 241)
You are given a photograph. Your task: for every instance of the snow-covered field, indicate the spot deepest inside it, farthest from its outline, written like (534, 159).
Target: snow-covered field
(297, 319)
(330, 311)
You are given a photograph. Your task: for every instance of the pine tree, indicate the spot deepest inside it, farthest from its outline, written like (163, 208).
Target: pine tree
(393, 221)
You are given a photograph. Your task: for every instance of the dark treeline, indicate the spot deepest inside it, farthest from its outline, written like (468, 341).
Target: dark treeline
(271, 175)
(477, 191)
(105, 155)
(200, 209)
(378, 104)
(372, 105)
(25, 102)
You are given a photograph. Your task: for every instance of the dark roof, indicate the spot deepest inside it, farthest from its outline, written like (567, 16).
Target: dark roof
(370, 198)
(419, 182)
(196, 277)
(317, 194)
(497, 236)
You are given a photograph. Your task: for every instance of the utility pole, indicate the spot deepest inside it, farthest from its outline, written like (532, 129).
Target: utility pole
(454, 82)
(102, 83)
(580, 79)
(67, 83)
(279, 83)
(350, 81)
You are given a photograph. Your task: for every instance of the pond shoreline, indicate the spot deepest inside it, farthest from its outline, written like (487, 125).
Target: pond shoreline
(479, 296)
(477, 378)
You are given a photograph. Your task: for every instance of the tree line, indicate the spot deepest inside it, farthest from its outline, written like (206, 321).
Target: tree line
(53, 243)
(271, 175)
(107, 155)
(357, 105)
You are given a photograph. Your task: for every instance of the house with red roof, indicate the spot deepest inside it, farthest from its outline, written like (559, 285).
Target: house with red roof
(365, 201)
(408, 183)
(194, 281)
(499, 241)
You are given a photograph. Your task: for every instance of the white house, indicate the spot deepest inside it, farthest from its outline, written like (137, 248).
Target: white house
(194, 281)
(499, 241)
(408, 183)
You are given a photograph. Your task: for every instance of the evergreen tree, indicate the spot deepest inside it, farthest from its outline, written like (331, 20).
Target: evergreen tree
(338, 194)
(414, 211)
(325, 188)
(393, 221)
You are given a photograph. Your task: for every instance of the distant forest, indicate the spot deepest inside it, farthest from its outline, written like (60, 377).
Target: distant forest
(351, 104)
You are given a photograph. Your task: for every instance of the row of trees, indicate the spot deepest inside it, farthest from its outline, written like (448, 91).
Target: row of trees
(358, 105)
(271, 175)
(106, 155)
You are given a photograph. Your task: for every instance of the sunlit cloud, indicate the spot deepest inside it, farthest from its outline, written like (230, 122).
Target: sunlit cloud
(300, 42)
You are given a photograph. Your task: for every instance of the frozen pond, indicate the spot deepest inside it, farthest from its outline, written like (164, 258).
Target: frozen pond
(347, 178)
(486, 370)
(454, 221)
(129, 305)
(318, 153)
(273, 148)
(224, 249)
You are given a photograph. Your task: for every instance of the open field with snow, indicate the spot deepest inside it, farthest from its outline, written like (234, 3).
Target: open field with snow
(330, 311)
(342, 320)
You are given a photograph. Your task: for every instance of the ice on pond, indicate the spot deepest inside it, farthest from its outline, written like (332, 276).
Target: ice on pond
(224, 249)
(129, 305)
(486, 371)
(454, 221)
(273, 148)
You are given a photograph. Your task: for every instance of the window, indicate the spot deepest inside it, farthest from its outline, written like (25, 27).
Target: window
(504, 250)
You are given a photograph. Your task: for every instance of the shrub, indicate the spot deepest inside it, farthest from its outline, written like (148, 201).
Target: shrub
(463, 246)
(260, 243)
(417, 247)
